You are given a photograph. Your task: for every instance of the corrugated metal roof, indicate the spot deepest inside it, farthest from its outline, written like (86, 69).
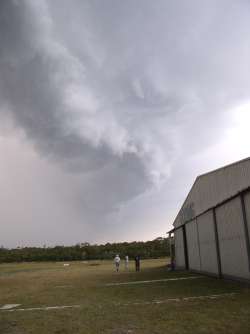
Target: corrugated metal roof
(214, 187)
(224, 167)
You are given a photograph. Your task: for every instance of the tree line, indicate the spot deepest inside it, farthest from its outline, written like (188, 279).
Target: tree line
(85, 251)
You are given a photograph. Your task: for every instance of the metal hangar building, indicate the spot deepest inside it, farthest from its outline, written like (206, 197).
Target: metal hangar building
(212, 229)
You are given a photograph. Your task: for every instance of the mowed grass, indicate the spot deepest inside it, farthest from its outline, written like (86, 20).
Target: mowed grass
(118, 309)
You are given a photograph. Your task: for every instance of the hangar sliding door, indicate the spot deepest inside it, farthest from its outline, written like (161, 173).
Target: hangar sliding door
(208, 253)
(193, 245)
(179, 249)
(232, 241)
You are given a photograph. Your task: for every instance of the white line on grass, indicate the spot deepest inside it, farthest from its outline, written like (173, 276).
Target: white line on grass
(154, 281)
(180, 299)
(46, 308)
(9, 306)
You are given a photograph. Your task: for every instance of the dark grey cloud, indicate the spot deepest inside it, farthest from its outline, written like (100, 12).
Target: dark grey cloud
(29, 87)
(36, 81)
(118, 95)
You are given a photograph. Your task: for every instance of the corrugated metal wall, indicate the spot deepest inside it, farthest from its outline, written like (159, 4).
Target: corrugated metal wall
(208, 251)
(232, 256)
(179, 249)
(193, 245)
(232, 242)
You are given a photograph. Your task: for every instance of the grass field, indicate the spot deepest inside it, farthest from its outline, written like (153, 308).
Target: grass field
(149, 307)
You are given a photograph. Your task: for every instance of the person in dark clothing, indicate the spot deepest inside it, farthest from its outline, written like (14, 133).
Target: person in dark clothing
(137, 263)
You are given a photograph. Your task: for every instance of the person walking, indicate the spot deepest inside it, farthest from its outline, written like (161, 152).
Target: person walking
(117, 262)
(137, 263)
(126, 262)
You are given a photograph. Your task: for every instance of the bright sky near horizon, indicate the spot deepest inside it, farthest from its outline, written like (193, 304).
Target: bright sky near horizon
(110, 109)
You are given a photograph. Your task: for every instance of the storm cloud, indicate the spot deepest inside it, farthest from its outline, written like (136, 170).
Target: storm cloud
(113, 101)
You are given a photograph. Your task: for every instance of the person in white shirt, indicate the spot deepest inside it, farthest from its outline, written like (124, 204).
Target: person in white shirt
(117, 262)
(126, 262)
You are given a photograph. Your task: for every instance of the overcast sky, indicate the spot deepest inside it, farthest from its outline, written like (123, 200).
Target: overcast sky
(109, 109)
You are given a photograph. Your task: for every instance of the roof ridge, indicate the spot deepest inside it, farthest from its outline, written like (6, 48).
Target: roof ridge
(223, 167)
